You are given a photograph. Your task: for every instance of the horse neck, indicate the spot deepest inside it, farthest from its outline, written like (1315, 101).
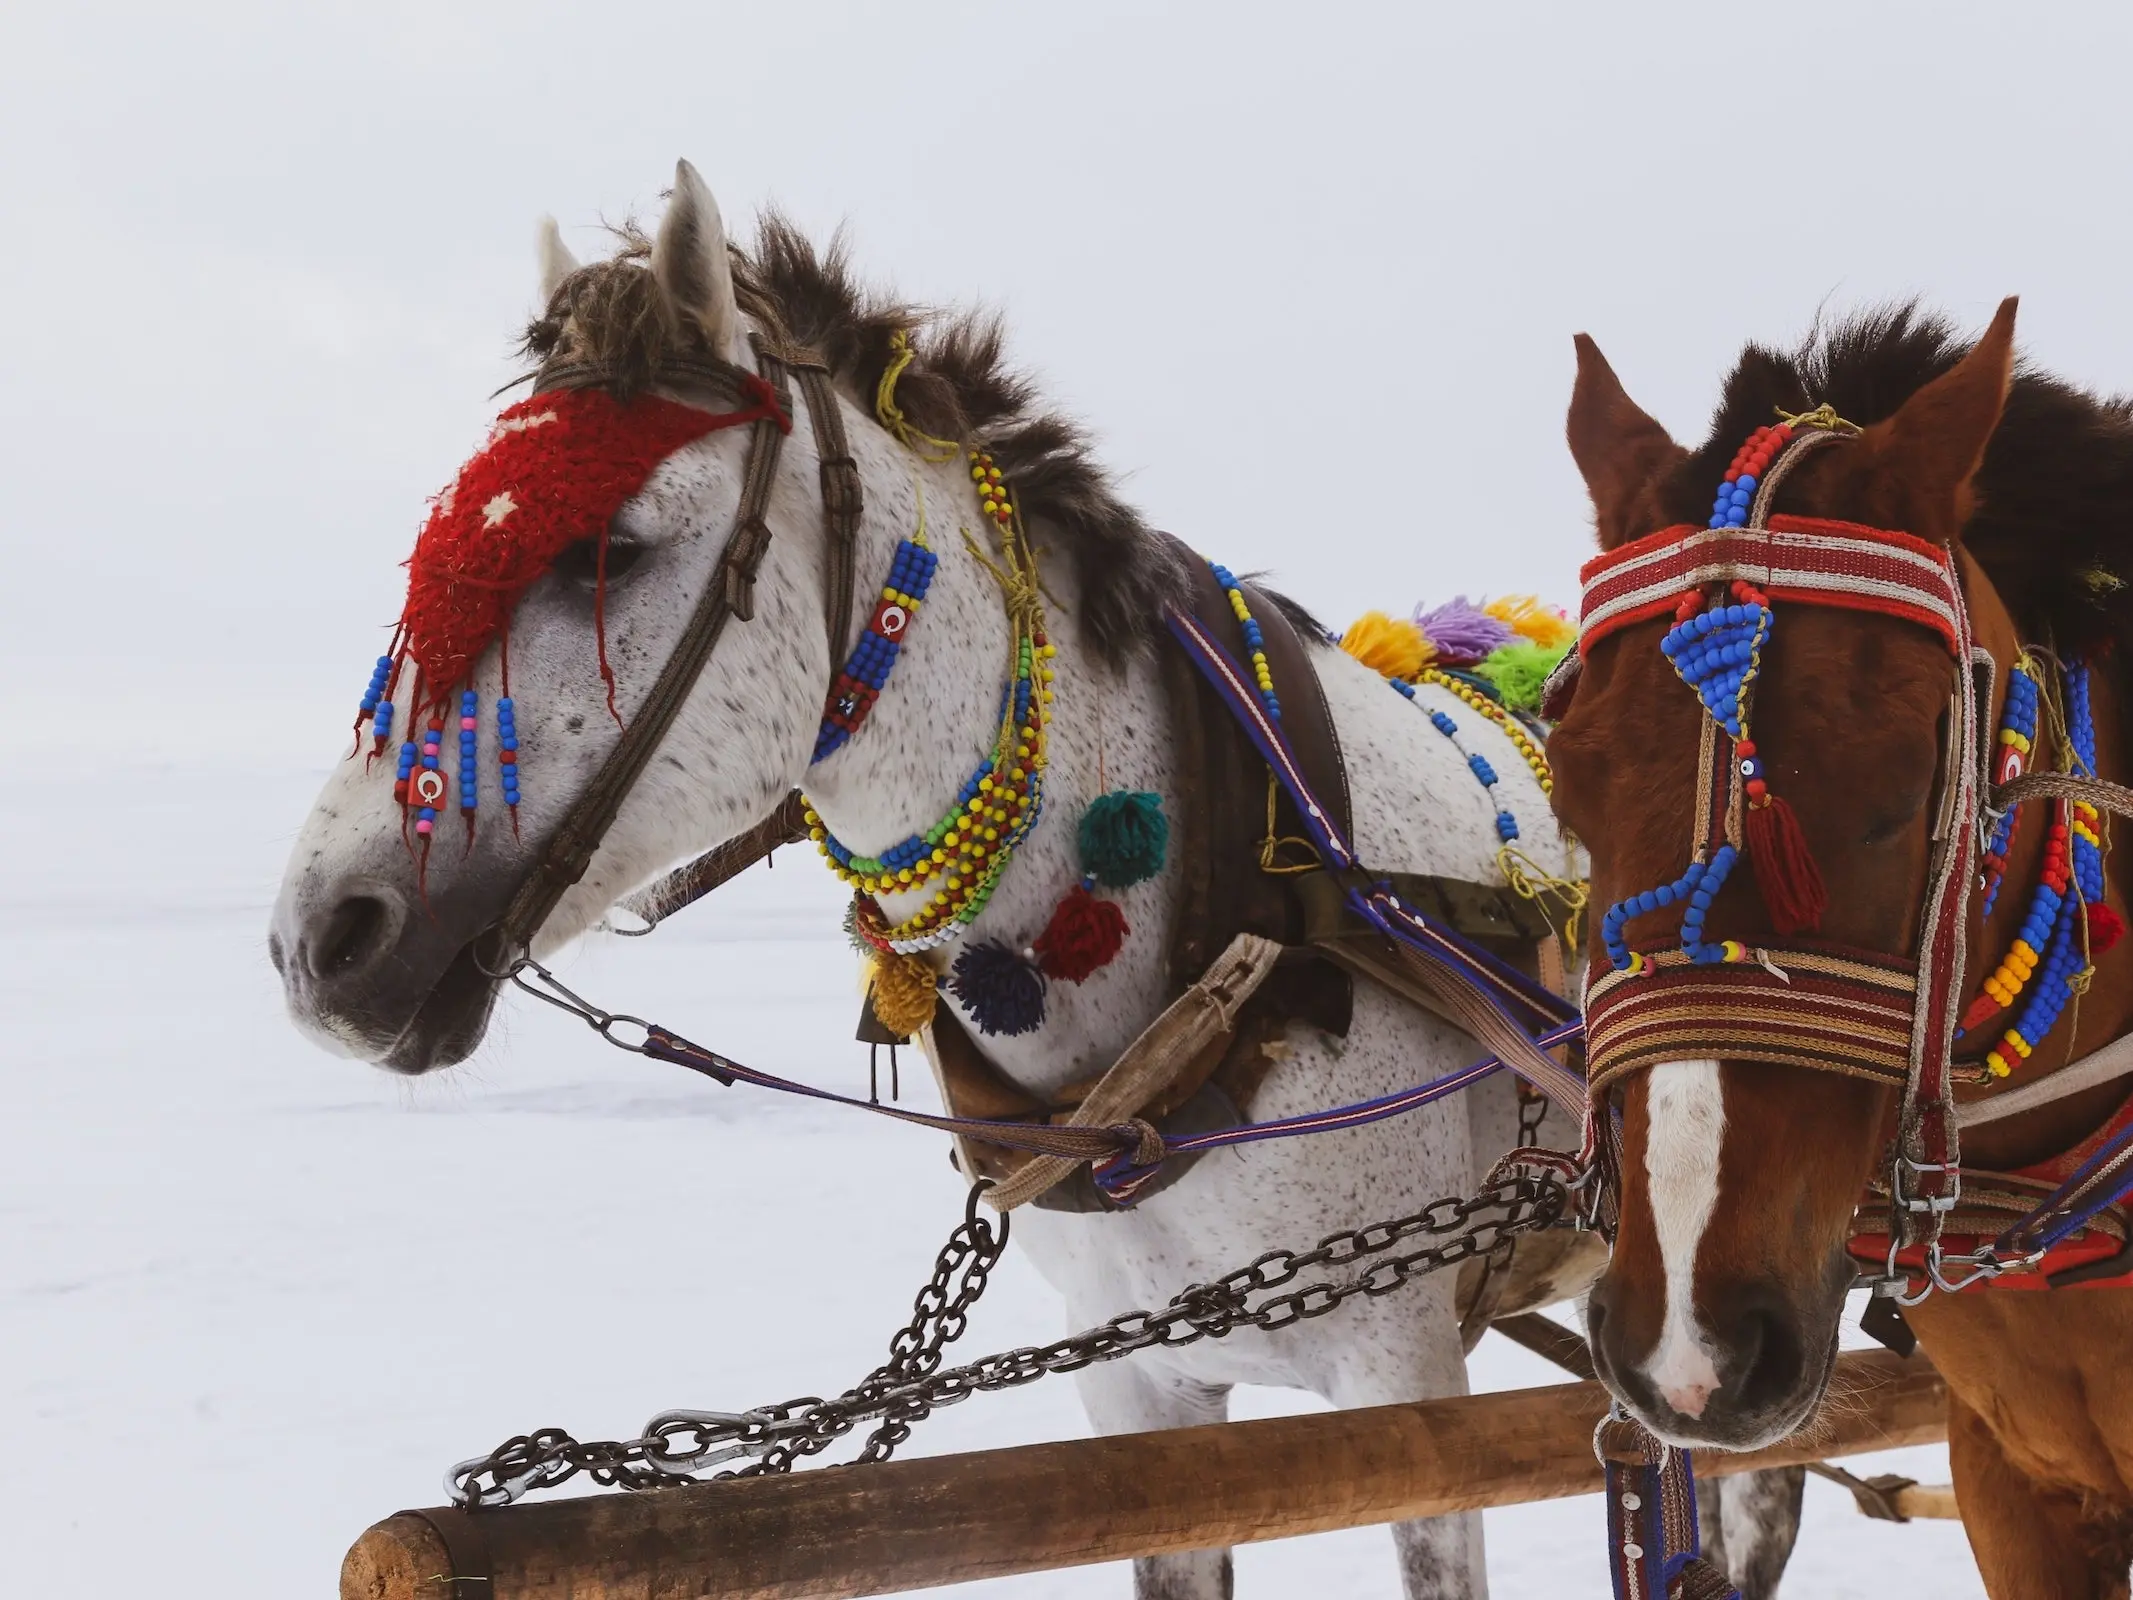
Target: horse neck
(935, 721)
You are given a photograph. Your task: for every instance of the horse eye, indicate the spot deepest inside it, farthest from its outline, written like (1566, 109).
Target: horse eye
(579, 564)
(1894, 824)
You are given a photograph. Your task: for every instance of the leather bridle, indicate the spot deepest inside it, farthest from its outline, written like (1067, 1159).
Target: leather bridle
(1894, 1018)
(729, 596)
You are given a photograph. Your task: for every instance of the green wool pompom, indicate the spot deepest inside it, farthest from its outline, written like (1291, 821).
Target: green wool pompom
(1124, 837)
(1520, 671)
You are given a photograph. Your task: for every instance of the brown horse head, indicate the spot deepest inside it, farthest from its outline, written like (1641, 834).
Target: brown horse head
(1717, 1320)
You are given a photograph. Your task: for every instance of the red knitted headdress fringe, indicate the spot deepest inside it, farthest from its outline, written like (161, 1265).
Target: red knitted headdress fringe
(556, 469)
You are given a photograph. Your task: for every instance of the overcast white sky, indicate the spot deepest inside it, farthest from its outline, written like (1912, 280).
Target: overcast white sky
(1312, 271)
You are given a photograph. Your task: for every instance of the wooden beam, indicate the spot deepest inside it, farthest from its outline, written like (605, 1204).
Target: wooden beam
(850, 1531)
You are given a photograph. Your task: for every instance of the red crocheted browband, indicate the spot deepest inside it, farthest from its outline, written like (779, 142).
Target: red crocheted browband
(556, 469)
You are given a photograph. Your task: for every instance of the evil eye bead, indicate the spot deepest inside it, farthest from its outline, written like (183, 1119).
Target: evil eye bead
(1750, 767)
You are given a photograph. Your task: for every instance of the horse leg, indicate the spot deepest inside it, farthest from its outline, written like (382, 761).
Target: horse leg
(1748, 1524)
(1134, 1397)
(1402, 1350)
(2031, 1543)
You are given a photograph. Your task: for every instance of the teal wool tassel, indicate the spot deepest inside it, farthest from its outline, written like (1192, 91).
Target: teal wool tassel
(1124, 838)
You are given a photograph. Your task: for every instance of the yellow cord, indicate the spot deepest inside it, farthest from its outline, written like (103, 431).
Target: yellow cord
(923, 445)
(1823, 416)
(1529, 880)
(1270, 847)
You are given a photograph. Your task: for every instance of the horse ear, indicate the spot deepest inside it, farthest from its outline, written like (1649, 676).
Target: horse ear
(557, 263)
(1620, 450)
(1931, 449)
(689, 263)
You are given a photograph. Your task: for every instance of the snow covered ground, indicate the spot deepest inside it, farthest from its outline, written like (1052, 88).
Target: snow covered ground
(252, 1297)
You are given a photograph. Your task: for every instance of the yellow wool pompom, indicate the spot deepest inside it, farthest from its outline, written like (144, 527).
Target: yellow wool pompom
(1386, 645)
(1524, 614)
(904, 992)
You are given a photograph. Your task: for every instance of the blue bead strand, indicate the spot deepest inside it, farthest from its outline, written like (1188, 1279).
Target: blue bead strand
(1506, 824)
(469, 705)
(1254, 638)
(375, 708)
(1698, 886)
(2018, 736)
(507, 750)
(873, 658)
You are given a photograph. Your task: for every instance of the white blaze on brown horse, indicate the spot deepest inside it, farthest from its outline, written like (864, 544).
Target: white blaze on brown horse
(1717, 1321)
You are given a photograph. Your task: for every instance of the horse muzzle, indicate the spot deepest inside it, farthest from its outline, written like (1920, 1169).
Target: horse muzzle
(1754, 1376)
(371, 971)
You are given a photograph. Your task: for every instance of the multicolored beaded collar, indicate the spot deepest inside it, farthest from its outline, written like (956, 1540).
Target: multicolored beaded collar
(2067, 924)
(963, 855)
(967, 849)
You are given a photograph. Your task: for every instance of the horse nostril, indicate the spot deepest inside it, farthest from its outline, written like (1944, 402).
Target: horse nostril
(1772, 1360)
(353, 937)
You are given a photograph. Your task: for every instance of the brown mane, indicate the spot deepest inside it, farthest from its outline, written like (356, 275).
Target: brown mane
(2054, 520)
(959, 386)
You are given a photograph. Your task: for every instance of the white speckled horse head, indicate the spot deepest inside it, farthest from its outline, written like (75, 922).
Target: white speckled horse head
(389, 958)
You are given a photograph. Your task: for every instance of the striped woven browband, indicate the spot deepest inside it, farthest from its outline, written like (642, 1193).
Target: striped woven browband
(1834, 1010)
(1810, 559)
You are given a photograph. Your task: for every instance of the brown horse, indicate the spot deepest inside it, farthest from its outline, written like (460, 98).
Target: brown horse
(1717, 1321)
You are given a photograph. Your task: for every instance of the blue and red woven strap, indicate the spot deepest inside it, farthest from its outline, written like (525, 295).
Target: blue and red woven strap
(2102, 1181)
(1653, 1552)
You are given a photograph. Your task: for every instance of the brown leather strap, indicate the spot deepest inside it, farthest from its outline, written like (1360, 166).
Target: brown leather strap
(843, 495)
(717, 866)
(730, 593)
(1218, 812)
(843, 505)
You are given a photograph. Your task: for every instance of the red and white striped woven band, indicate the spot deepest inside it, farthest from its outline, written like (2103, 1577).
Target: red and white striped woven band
(1812, 559)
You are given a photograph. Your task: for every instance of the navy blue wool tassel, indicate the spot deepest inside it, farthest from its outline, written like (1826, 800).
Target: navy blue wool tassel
(1124, 837)
(1002, 992)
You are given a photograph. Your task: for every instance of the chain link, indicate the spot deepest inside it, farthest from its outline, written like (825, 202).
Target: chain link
(910, 1386)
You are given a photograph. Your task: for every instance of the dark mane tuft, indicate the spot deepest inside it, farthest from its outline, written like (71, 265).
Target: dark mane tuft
(959, 386)
(2053, 526)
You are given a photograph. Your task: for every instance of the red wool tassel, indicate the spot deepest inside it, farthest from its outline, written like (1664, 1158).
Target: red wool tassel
(1084, 934)
(1785, 868)
(2106, 928)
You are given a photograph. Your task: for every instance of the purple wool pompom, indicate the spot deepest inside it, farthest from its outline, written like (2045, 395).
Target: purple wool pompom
(1463, 633)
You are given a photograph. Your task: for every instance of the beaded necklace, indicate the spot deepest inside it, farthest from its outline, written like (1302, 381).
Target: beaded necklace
(2067, 924)
(968, 848)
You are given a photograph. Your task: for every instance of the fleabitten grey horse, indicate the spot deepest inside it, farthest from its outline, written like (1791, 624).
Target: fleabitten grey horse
(376, 969)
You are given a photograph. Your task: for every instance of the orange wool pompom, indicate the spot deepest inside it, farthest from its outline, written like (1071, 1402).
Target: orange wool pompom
(1390, 646)
(1525, 614)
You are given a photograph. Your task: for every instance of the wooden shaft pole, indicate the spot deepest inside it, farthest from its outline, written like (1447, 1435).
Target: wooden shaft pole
(845, 1531)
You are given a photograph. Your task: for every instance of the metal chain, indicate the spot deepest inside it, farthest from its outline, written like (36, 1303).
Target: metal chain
(909, 1387)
